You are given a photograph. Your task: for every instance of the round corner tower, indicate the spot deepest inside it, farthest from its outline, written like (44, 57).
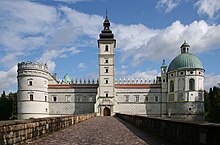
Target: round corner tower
(32, 95)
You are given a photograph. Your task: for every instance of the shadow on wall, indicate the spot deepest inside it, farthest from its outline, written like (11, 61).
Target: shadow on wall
(147, 137)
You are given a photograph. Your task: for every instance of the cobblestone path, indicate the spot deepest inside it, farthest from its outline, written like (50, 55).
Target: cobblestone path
(100, 131)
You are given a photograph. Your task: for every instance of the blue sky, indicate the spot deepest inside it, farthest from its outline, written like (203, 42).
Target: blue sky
(64, 33)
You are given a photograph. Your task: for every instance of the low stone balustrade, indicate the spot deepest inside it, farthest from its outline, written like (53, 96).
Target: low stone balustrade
(177, 132)
(24, 131)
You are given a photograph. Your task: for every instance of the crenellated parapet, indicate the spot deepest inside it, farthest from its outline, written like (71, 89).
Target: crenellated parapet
(135, 81)
(33, 65)
(80, 81)
(32, 69)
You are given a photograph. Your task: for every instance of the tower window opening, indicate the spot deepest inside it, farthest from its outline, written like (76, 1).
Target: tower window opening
(106, 94)
(191, 84)
(106, 47)
(31, 97)
(45, 98)
(106, 70)
(106, 61)
(106, 81)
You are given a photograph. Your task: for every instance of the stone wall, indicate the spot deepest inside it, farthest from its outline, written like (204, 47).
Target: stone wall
(177, 132)
(24, 131)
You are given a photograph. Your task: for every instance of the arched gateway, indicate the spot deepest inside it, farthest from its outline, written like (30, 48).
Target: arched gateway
(107, 111)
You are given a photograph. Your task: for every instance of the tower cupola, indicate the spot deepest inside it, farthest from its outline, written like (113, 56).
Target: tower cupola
(106, 32)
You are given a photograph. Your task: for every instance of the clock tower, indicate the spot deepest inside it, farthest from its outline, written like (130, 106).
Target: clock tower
(105, 98)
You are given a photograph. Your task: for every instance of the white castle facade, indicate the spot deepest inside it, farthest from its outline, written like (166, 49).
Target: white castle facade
(178, 93)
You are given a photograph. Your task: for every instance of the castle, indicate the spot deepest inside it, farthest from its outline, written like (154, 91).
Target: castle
(178, 93)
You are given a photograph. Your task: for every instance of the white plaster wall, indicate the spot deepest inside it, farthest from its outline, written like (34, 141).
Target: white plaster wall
(132, 108)
(38, 83)
(110, 60)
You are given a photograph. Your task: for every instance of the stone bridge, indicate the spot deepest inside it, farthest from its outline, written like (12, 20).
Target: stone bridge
(122, 129)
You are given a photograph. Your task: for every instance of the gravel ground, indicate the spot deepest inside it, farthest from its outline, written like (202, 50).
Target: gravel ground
(100, 131)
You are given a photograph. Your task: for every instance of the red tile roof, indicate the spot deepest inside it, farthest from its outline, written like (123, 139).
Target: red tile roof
(70, 86)
(137, 86)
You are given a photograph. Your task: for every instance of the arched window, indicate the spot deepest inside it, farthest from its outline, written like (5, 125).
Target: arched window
(191, 84)
(171, 86)
(106, 47)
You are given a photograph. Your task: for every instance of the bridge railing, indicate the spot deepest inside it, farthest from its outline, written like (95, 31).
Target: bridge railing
(24, 131)
(177, 132)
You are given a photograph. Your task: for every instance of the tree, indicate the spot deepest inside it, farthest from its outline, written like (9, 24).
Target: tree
(8, 106)
(212, 105)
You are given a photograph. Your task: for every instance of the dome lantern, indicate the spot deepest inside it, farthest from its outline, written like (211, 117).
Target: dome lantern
(185, 47)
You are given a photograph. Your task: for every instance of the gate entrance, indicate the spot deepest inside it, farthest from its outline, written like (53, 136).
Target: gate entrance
(107, 111)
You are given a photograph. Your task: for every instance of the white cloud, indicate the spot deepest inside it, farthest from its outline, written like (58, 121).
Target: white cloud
(72, 1)
(124, 66)
(142, 43)
(208, 7)
(54, 29)
(81, 66)
(49, 55)
(121, 74)
(167, 5)
(148, 74)
(211, 80)
(8, 79)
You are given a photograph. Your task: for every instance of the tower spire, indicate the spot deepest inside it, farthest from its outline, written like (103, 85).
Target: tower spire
(106, 14)
(106, 32)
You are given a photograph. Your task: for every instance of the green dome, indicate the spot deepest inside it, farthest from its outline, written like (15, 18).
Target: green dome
(66, 79)
(185, 60)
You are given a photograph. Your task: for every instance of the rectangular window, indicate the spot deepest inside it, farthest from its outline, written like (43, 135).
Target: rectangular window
(30, 83)
(146, 98)
(127, 98)
(106, 93)
(55, 98)
(31, 97)
(79, 99)
(45, 98)
(68, 98)
(156, 98)
(90, 99)
(171, 97)
(137, 98)
(106, 81)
